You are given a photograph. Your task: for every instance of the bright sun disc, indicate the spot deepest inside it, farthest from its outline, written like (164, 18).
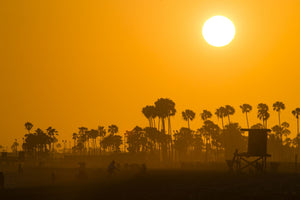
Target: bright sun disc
(218, 31)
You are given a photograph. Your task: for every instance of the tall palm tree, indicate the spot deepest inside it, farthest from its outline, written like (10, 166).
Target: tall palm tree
(188, 115)
(246, 108)
(165, 108)
(28, 126)
(93, 134)
(83, 136)
(296, 113)
(150, 113)
(113, 129)
(263, 113)
(221, 113)
(52, 132)
(229, 110)
(75, 137)
(278, 106)
(102, 133)
(172, 112)
(205, 115)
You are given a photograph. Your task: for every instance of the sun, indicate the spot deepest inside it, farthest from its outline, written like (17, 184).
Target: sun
(218, 31)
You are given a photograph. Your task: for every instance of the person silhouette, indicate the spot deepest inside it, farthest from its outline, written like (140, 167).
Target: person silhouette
(111, 168)
(1, 180)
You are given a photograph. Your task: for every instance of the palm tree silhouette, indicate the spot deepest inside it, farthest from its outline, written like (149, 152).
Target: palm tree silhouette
(188, 115)
(205, 115)
(221, 113)
(262, 113)
(165, 108)
(229, 111)
(278, 106)
(83, 136)
(75, 137)
(150, 114)
(28, 126)
(246, 108)
(52, 132)
(102, 133)
(113, 129)
(296, 113)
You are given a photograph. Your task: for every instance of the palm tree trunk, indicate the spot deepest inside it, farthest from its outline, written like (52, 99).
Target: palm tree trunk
(188, 123)
(163, 124)
(228, 120)
(169, 125)
(247, 120)
(297, 126)
(279, 117)
(158, 124)
(222, 122)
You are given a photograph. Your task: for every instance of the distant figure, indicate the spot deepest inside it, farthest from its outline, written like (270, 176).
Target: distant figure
(1, 180)
(112, 168)
(20, 169)
(53, 177)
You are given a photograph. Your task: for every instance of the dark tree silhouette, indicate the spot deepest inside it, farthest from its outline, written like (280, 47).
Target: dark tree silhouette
(28, 126)
(278, 106)
(74, 138)
(52, 133)
(296, 113)
(113, 129)
(165, 109)
(263, 113)
(205, 115)
(102, 133)
(188, 115)
(150, 113)
(221, 113)
(229, 110)
(246, 108)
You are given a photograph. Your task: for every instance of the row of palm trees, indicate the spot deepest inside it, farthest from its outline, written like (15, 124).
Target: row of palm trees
(159, 137)
(39, 140)
(85, 137)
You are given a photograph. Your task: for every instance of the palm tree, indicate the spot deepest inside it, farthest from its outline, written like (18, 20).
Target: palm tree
(112, 129)
(246, 108)
(83, 136)
(188, 115)
(205, 115)
(263, 113)
(172, 112)
(285, 131)
(229, 111)
(93, 134)
(296, 113)
(221, 113)
(102, 133)
(75, 137)
(150, 113)
(165, 108)
(28, 126)
(278, 106)
(52, 132)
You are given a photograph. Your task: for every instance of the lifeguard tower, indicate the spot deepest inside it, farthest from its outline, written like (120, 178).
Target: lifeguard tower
(256, 157)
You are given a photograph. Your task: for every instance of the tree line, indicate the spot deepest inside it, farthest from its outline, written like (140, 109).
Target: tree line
(211, 141)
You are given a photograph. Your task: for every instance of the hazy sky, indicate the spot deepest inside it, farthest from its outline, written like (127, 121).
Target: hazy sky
(68, 63)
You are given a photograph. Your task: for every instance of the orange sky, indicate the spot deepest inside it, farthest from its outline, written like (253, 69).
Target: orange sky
(69, 63)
